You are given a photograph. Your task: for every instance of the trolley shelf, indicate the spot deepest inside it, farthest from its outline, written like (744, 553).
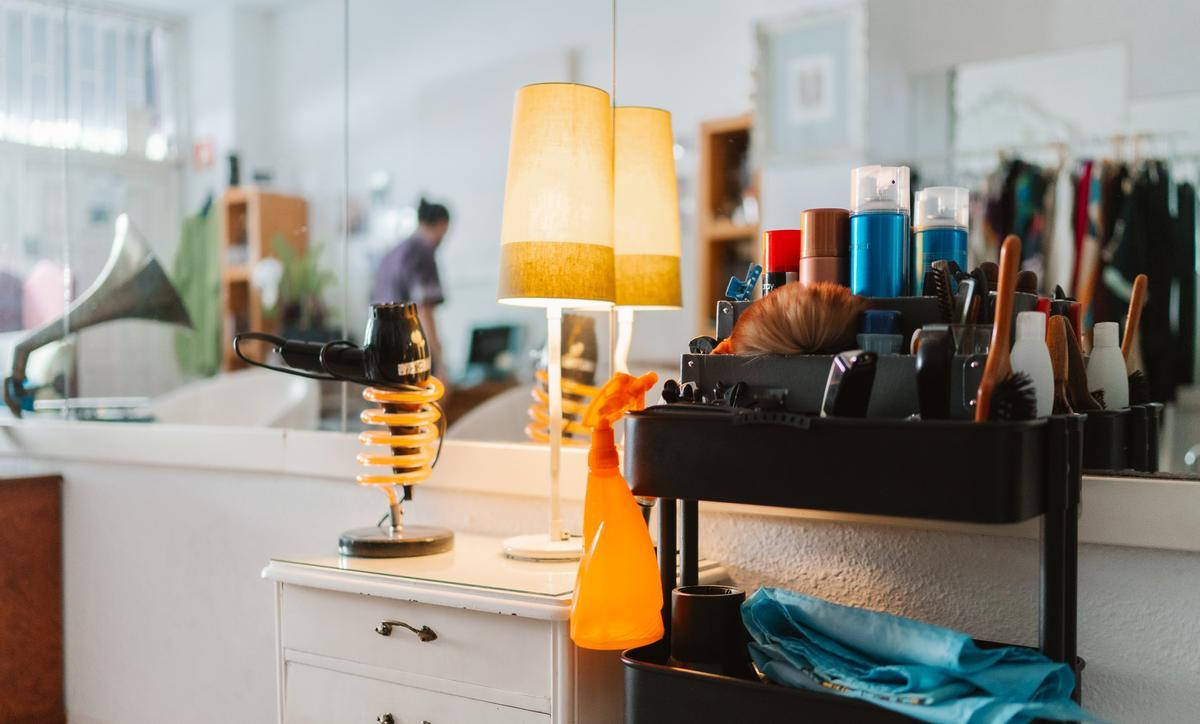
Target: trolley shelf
(947, 470)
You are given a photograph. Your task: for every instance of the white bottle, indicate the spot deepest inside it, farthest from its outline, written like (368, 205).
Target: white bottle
(1106, 367)
(1031, 356)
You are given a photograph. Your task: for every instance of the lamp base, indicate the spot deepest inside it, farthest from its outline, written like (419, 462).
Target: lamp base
(540, 548)
(388, 542)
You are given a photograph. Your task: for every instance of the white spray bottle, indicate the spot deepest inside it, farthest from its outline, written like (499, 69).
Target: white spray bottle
(1106, 366)
(1031, 356)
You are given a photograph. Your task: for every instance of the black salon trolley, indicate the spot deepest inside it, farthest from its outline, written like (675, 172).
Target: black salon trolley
(990, 473)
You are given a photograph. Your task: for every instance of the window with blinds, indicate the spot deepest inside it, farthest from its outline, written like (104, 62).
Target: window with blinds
(83, 78)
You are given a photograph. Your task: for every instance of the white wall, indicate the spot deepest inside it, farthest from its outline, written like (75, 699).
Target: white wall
(166, 618)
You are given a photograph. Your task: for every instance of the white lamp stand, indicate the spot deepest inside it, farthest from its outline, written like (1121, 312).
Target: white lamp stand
(557, 544)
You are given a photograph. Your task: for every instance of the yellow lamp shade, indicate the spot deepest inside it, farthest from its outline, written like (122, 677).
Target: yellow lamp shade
(645, 210)
(556, 237)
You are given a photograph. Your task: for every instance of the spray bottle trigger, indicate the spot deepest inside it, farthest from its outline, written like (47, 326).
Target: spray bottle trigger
(620, 394)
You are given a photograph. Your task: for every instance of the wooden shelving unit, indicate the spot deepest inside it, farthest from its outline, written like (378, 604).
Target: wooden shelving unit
(725, 248)
(250, 219)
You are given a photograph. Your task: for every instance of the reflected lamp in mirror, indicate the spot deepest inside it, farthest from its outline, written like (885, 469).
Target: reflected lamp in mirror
(645, 219)
(557, 244)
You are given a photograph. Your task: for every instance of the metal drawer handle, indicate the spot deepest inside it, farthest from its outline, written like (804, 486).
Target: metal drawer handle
(424, 633)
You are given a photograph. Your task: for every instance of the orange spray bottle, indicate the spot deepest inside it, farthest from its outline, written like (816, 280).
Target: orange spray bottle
(618, 595)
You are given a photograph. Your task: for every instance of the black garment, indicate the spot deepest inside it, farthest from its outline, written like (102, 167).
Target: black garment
(1147, 245)
(1185, 265)
(1110, 302)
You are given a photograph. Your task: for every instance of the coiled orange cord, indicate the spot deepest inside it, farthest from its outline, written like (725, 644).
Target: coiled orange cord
(415, 426)
(576, 397)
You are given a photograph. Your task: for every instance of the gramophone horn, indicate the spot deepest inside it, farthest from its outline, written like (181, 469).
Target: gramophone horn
(132, 285)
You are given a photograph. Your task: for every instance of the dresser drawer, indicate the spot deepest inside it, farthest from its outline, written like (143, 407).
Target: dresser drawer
(321, 696)
(496, 651)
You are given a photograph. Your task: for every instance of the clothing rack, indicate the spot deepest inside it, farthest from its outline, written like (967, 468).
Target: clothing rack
(1179, 150)
(1120, 146)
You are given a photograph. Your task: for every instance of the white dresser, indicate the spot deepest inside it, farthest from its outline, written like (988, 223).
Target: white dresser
(464, 636)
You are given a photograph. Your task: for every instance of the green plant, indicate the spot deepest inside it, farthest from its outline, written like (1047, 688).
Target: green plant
(302, 287)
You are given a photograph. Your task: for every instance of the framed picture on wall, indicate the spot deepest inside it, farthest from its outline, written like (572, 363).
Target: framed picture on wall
(811, 92)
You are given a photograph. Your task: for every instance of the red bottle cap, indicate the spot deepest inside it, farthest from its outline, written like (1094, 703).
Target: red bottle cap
(781, 250)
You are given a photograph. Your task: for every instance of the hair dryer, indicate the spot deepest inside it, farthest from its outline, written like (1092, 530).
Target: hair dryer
(394, 362)
(394, 353)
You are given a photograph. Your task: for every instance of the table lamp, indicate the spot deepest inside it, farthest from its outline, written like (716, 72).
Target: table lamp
(645, 220)
(556, 248)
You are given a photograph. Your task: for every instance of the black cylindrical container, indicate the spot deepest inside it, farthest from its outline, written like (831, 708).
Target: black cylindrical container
(1154, 411)
(1138, 438)
(707, 633)
(1105, 440)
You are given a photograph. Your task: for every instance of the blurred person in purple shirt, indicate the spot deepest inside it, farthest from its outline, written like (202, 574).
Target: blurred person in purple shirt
(409, 273)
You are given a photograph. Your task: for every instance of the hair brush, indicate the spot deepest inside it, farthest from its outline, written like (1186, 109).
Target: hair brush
(1002, 394)
(1082, 399)
(937, 285)
(1139, 386)
(1056, 340)
(819, 318)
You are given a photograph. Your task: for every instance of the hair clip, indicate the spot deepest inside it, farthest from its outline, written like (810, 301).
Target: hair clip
(740, 290)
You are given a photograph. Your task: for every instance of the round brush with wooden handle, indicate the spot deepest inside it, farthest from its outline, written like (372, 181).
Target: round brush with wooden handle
(1056, 341)
(1002, 394)
(1133, 317)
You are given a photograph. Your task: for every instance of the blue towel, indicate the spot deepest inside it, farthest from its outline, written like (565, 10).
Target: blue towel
(923, 671)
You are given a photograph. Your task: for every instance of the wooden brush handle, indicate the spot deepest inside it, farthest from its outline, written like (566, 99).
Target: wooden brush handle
(1060, 361)
(999, 361)
(1137, 300)
(1056, 342)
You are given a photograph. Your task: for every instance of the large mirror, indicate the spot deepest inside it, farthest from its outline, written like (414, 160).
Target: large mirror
(333, 138)
(1022, 111)
(431, 96)
(160, 151)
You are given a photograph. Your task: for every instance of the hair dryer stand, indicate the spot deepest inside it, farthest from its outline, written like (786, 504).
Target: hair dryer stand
(394, 539)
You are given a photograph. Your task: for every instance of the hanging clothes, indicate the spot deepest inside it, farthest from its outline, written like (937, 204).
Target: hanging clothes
(197, 276)
(1060, 252)
(1117, 258)
(1185, 274)
(1089, 246)
(1083, 187)
(1147, 245)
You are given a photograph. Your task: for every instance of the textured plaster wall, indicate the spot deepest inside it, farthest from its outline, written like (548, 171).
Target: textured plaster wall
(1138, 625)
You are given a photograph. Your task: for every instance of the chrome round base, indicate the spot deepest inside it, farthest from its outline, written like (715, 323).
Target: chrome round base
(386, 542)
(539, 547)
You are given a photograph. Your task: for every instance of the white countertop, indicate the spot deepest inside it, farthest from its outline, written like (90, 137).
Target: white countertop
(475, 561)
(474, 575)
(1125, 511)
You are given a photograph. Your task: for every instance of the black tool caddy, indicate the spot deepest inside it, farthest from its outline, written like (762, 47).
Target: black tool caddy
(1116, 440)
(685, 453)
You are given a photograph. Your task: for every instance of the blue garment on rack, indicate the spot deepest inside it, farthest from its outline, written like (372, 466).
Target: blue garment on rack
(920, 670)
